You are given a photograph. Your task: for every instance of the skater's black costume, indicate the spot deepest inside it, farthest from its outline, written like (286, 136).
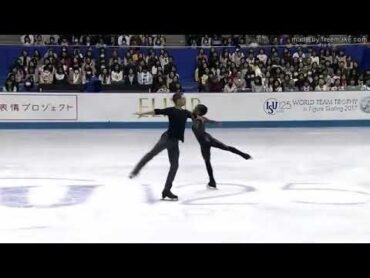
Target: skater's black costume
(170, 141)
(206, 141)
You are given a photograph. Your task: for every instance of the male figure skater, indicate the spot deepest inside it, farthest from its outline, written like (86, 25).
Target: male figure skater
(206, 141)
(169, 140)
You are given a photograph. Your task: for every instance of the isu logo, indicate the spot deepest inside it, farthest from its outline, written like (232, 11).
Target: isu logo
(365, 105)
(270, 106)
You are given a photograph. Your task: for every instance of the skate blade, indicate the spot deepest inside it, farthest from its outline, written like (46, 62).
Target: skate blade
(212, 188)
(169, 200)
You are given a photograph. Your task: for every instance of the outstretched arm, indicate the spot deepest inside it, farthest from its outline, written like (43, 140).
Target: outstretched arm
(165, 111)
(144, 113)
(212, 122)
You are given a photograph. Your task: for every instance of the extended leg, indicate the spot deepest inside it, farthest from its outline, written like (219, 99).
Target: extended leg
(217, 144)
(160, 146)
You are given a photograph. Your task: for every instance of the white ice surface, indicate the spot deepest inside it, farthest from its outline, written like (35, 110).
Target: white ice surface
(304, 185)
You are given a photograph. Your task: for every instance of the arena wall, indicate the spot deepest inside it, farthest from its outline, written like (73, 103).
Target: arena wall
(114, 110)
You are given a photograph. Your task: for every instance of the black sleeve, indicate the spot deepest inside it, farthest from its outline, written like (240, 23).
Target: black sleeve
(166, 111)
(189, 114)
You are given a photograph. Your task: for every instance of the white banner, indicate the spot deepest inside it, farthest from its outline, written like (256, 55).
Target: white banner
(34, 107)
(120, 107)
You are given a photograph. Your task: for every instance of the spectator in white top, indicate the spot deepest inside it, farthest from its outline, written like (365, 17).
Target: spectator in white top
(10, 84)
(322, 86)
(156, 67)
(163, 58)
(105, 77)
(315, 58)
(366, 86)
(262, 56)
(299, 54)
(236, 56)
(230, 87)
(117, 74)
(124, 40)
(27, 40)
(145, 77)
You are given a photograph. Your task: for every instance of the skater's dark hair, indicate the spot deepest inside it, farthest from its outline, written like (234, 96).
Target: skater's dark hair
(202, 109)
(176, 97)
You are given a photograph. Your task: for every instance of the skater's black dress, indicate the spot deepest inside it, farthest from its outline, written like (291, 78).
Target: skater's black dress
(206, 141)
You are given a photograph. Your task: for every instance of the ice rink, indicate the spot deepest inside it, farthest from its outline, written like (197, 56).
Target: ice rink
(304, 185)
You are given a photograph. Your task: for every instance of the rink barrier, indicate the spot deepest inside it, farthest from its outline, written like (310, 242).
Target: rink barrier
(244, 110)
(161, 125)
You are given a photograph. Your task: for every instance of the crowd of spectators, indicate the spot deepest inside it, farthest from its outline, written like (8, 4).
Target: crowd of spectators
(154, 69)
(254, 70)
(156, 41)
(260, 40)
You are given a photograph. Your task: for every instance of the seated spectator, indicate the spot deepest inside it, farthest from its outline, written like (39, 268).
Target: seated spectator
(86, 40)
(27, 40)
(206, 41)
(52, 41)
(124, 40)
(216, 40)
(25, 59)
(100, 43)
(203, 81)
(262, 56)
(174, 84)
(117, 74)
(214, 85)
(276, 86)
(75, 76)
(60, 78)
(47, 75)
(145, 77)
(237, 56)
(87, 74)
(306, 87)
(29, 84)
(353, 86)
(105, 77)
(163, 89)
(240, 82)
(230, 87)
(366, 86)
(322, 86)
(131, 78)
(256, 85)
(115, 56)
(336, 86)
(10, 84)
(158, 83)
(31, 72)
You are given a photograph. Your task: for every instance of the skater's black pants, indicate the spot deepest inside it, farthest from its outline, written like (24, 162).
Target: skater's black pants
(172, 146)
(205, 145)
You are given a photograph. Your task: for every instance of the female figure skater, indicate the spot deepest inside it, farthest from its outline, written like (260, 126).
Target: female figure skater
(206, 141)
